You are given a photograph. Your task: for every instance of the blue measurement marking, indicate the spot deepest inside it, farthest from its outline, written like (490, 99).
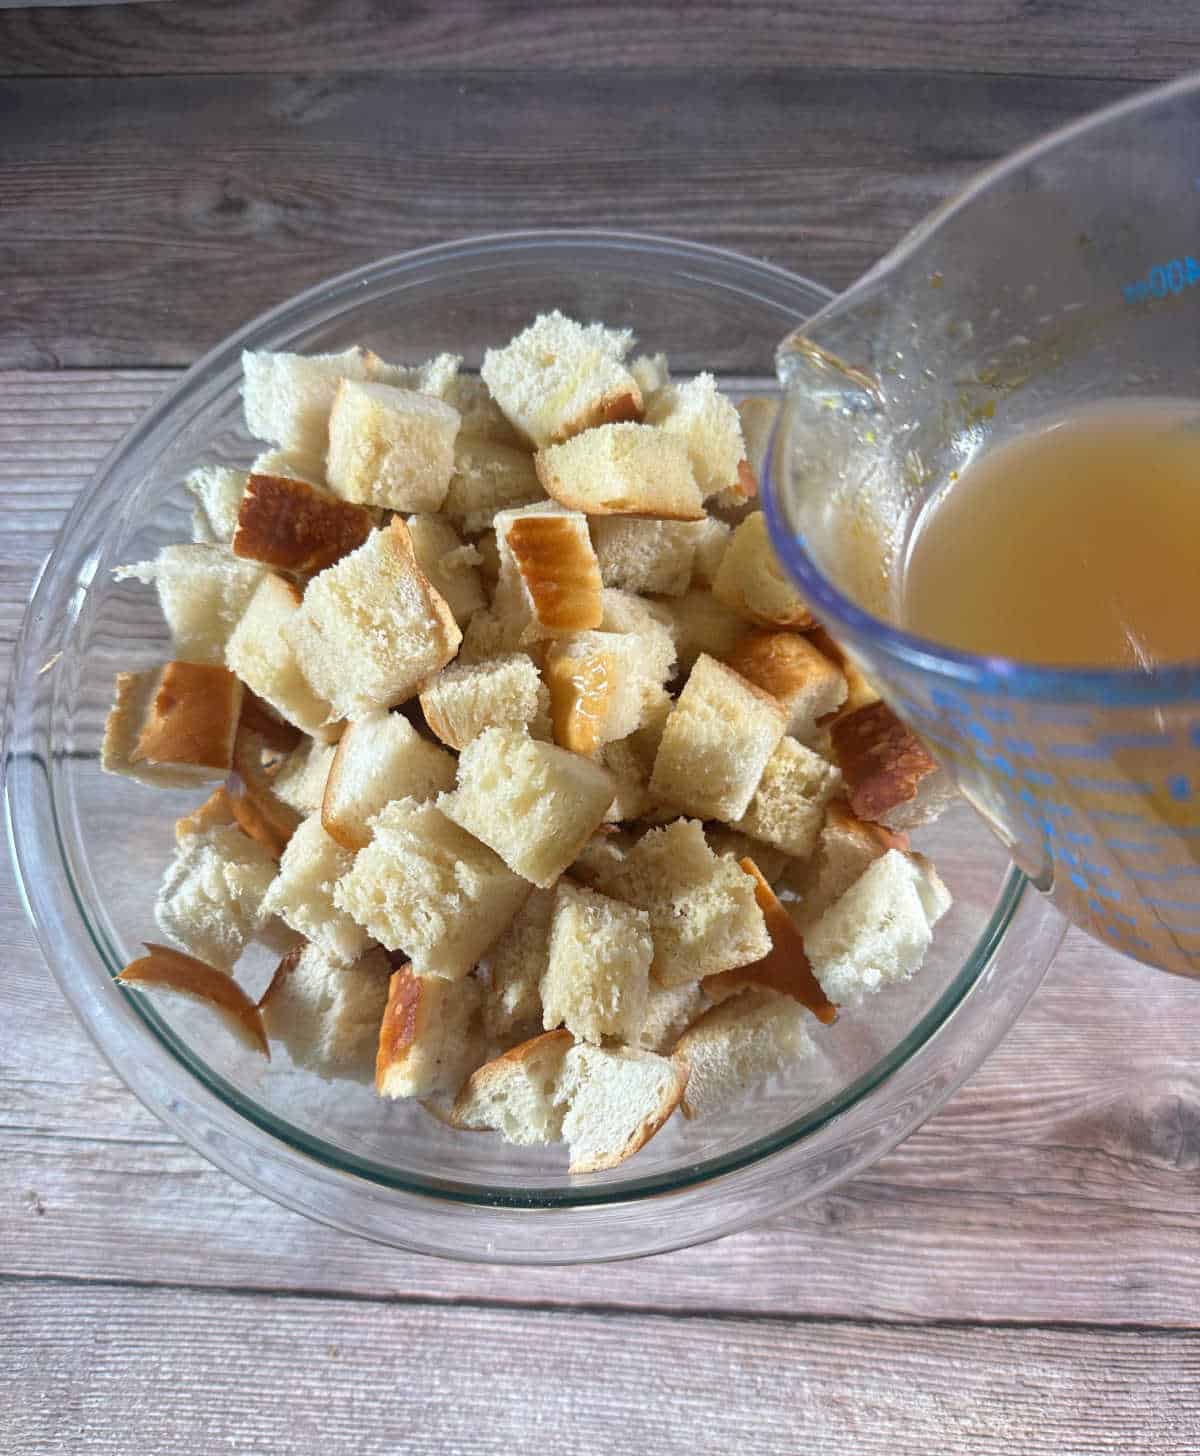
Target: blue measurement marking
(1179, 787)
(1163, 278)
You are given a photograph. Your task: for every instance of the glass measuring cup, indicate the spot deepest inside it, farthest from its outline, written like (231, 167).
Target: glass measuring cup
(1066, 274)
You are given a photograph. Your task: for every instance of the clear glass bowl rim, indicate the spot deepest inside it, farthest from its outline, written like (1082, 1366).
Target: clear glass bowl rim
(299, 1170)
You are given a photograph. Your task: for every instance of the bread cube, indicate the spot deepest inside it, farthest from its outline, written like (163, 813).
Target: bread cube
(372, 628)
(631, 781)
(773, 863)
(845, 847)
(328, 1014)
(293, 526)
(615, 1102)
(203, 592)
(482, 418)
(212, 898)
(260, 651)
(624, 470)
(390, 447)
(502, 692)
(890, 776)
(308, 468)
(174, 725)
(599, 964)
(711, 542)
(558, 377)
(788, 807)
(601, 857)
(302, 776)
(597, 689)
(699, 415)
(427, 887)
(438, 376)
(217, 491)
(670, 1010)
(699, 623)
(757, 417)
(516, 963)
(649, 622)
(877, 933)
(716, 743)
(737, 1046)
(703, 914)
(549, 576)
(379, 758)
(534, 804)
(488, 478)
(288, 397)
(164, 969)
(640, 555)
(492, 634)
(429, 1039)
(805, 683)
(302, 894)
(451, 566)
(751, 580)
(515, 1094)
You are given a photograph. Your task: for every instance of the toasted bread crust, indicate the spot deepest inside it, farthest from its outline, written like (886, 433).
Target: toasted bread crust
(622, 406)
(580, 689)
(261, 720)
(401, 1022)
(881, 759)
(192, 717)
(559, 571)
(175, 971)
(290, 524)
(779, 662)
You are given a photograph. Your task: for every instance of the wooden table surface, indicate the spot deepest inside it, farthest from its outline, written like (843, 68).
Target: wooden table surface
(1023, 1275)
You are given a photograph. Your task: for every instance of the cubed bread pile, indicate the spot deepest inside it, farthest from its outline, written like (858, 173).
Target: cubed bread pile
(526, 756)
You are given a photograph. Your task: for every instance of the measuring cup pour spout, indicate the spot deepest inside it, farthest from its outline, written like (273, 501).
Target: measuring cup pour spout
(1067, 274)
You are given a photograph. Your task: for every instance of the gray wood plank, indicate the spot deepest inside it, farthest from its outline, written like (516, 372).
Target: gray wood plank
(1058, 1186)
(147, 217)
(1051, 37)
(169, 1372)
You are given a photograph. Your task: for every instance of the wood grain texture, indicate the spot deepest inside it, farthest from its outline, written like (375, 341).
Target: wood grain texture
(174, 1373)
(146, 218)
(1058, 1186)
(1050, 37)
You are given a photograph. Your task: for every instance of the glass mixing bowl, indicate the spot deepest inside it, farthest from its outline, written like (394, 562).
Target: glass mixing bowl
(90, 849)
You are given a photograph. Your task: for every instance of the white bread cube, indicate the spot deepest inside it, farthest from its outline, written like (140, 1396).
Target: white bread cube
(788, 807)
(716, 743)
(302, 776)
(598, 690)
(645, 556)
(549, 576)
(699, 415)
(492, 634)
(737, 1046)
(773, 863)
(805, 683)
(515, 1094)
(624, 470)
(877, 933)
(327, 1014)
(711, 542)
(451, 566)
(260, 652)
(757, 416)
(310, 469)
(217, 491)
(173, 725)
(616, 1101)
(427, 887)
(652, 374)
(429, 1039)
(751, 580)
(698, 623)
(558, 377)
(488, 478)
(516, 963)
(534, 804)
(437, 376)
(649, 622)
(293, 526)
(390, 447)
(704, 917)
(502, 692)
(670, 1010)
(302, 894)
(845, 847)
(379, 758)
(288, 397)
(212, 898)
(203, 592)
(597, 976)
(482, 418)
(372, 628)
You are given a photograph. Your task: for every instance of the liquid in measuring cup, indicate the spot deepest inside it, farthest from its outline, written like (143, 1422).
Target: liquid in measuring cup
(1077, 544)
(1074, 544)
